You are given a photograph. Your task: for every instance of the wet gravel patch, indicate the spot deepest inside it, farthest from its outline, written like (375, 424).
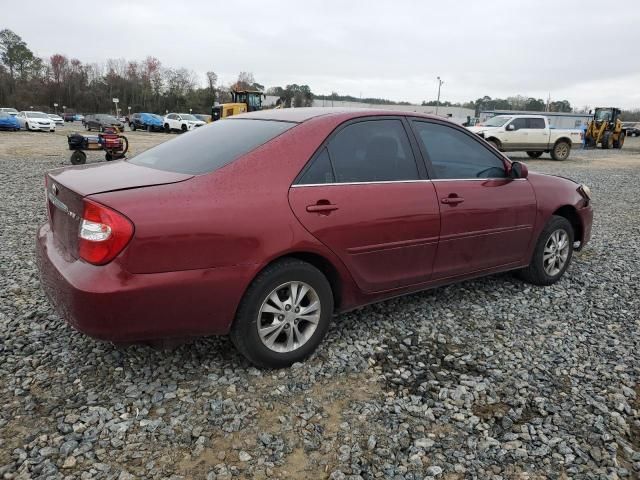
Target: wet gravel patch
(489, 379)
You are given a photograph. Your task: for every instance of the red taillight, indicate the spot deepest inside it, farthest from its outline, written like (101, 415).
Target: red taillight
(103, 233)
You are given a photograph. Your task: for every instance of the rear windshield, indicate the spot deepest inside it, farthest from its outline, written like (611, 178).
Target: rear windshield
(210, 147)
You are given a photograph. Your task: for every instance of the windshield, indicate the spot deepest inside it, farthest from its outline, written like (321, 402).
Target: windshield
(496, 121)
(211, 147)
(37, 115)
(603, 115)
(186, 116)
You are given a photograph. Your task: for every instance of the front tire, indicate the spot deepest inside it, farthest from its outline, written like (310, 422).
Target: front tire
(132, 126)
(534, 154)
(561, 151)
(607, 140)
(166, 128)
(494, 144)
(552, 254)
(184, 128)
(284, 314)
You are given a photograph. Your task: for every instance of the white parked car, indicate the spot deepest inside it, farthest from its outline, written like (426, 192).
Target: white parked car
(36, 121)
(528, 133)
(57, 119)
(182, 122)
(10, 111)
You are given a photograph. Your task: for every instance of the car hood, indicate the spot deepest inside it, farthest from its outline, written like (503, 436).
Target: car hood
(481, 129)
(108, 177)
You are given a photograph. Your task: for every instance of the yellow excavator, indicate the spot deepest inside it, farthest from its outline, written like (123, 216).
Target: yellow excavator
(242, 101)
(605, 128)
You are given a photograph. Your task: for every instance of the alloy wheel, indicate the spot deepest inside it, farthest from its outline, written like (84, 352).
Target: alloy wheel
(288, 317)
(556, 252)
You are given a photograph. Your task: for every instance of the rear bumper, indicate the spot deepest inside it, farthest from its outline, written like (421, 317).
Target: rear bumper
(111, 304)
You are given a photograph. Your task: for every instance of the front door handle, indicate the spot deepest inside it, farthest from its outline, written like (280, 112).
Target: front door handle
(452, 200)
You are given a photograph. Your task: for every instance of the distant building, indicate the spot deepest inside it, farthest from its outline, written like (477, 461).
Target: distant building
(455, 114)
(556, 119)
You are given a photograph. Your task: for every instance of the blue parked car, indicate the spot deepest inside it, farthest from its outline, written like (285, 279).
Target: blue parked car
(146, 121)
(9, 122)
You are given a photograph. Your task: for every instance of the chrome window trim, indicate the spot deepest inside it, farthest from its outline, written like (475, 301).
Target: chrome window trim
(298, 185)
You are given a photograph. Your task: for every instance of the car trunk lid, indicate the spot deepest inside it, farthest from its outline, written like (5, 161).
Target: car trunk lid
(66, 189)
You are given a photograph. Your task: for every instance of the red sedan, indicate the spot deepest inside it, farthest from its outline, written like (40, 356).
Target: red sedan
(265, 225)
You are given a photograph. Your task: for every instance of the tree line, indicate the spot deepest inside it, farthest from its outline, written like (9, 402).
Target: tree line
(28, 81)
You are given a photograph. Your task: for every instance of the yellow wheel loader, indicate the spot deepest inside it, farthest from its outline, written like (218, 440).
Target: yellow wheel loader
(242, 101)
(605, 129)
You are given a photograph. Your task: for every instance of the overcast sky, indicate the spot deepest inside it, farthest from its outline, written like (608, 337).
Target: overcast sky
(585, 51)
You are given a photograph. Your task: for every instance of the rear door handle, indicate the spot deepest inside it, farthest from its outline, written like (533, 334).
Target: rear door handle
(452, 200)
(322, 207)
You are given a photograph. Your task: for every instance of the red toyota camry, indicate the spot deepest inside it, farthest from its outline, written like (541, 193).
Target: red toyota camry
(265, 225)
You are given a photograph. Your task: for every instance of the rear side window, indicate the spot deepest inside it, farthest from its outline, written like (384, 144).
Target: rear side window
(319, 171)
(372, 151)
(211, 147)
(456, 155)
(537, 123)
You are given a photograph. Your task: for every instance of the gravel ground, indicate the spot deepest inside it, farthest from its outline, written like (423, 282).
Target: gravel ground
(488, 379)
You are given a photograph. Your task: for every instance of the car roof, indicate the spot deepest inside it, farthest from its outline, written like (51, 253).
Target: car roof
(303, 114)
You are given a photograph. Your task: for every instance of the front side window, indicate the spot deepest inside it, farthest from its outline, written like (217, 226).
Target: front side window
(456, 155)
(372, 151)
(518, 123)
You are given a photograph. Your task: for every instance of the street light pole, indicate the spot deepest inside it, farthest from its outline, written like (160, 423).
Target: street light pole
(440, 82)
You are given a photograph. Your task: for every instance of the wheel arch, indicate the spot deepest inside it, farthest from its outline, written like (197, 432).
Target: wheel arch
(494, 140)
(563, 140)
(319, 261)
(571, 214)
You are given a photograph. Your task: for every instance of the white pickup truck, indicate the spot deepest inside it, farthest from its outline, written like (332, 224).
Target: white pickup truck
(528, 133)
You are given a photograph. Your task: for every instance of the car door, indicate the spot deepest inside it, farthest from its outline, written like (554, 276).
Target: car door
(538, 133)
(487, 218)
(367, 199)
(515, 136)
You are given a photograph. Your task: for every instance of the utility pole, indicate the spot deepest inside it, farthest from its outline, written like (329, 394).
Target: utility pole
(440, 82)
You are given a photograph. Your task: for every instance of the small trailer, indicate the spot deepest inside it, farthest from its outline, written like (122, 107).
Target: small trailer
(114, 145)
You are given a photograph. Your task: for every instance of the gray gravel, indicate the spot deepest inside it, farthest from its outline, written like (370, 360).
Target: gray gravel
(489, 379)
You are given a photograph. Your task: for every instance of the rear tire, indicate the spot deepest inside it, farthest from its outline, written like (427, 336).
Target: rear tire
(620, 142)
(539, 271)
(256, 310)
(166, 128)
(607, 140)
(534, 154)
(561, 151)
(132, 126)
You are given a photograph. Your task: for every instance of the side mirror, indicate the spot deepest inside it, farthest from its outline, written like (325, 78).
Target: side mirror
(519, 170)
(511, 127)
